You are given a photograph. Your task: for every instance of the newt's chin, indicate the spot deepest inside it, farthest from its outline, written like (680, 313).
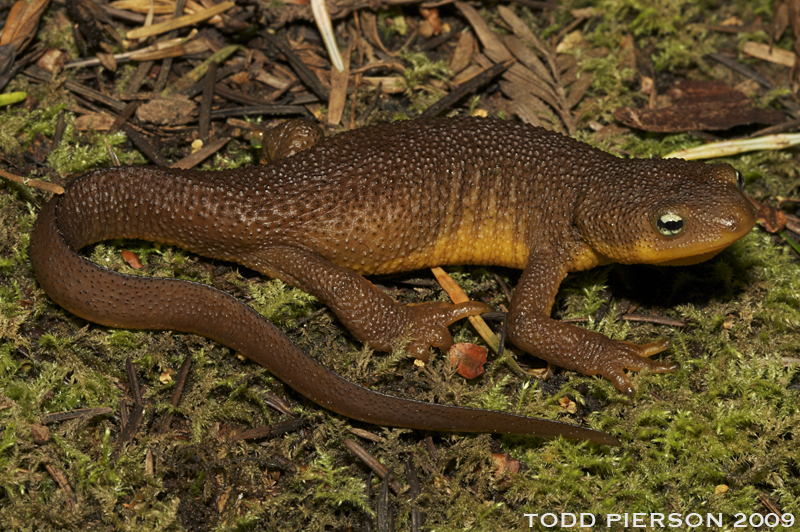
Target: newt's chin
(692, 259)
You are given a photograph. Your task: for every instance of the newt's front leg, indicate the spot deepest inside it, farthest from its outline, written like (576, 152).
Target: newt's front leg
(531, 329)
(371, 315)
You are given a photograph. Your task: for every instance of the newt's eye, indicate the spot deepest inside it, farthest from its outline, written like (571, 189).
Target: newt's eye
(670, 224)
(739, 179)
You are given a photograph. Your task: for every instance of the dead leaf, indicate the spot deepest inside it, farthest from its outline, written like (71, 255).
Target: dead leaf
(467, 74)
(132, 260)
(41, 434)
(167, 111)
(462, 55)
(370, 25)
(699, 105)
(521, 30)
(432, 24)
(53, 60)
(527, 106)
(468, 358)
(773, 220)
(107, 60)
(493, 47)
(503, 462)
(22, 23)
(568, 405)
(578, 89)
(544, 374)
(525, 56)
(794, 19)
(780, 21)
(94, 121)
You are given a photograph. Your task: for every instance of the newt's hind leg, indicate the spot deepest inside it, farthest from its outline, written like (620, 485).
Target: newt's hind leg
(371, 315)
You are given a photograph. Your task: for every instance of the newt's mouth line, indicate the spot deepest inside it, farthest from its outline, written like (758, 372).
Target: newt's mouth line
(703, 253)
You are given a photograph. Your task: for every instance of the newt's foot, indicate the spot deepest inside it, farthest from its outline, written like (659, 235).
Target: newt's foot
(619, 356)
(429, 321)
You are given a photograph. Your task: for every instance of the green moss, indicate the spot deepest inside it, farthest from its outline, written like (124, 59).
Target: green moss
(333, 486)
(419, 70)
(279, 302)
(72, 159)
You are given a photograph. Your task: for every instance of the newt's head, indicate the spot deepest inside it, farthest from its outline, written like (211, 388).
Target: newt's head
(666, 212)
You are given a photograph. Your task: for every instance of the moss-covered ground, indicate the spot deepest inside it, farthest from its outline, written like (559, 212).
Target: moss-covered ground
(719, 436)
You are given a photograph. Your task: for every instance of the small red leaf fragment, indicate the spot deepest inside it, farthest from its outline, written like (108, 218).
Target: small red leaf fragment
(568, 405)
(503, 462)
(132, 260)
(432, 24)
(770, 218)
(468, 358)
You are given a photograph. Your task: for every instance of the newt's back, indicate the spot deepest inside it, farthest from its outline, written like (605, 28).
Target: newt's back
(422, 193)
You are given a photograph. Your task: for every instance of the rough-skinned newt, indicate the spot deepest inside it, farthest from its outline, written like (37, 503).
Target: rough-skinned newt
(386, 199)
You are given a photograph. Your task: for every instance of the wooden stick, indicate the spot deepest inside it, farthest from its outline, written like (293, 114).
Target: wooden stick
(180, 22)
(458, 296)
(44, 185)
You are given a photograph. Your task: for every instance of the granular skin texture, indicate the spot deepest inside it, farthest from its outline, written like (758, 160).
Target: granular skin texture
(385, 199)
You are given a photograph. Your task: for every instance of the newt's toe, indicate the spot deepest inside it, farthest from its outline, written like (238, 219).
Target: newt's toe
(429, 323)
(620, 356)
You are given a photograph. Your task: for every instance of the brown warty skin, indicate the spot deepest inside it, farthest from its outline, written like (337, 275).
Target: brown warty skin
(387, 199)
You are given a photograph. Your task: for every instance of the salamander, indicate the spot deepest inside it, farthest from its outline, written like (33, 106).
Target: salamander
(392, 198)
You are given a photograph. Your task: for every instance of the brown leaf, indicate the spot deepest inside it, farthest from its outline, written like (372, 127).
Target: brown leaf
(370, 25)
(22, 23)
(433, 21)
(95, 121)
(780, 21)
(108, 61)
(525, 56)
(794, 18)
(53, 60)
(770, 218)
(698, 105)
(132, 260)
(520, 75)
(578, 89)
(172, 111)
(527, 106)
(41, 434)
(469, 359)
(504, 462)
(462, 55)
(521, 30)
(493, 46)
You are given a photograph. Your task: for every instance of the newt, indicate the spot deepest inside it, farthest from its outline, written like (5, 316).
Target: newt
(386, 199)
